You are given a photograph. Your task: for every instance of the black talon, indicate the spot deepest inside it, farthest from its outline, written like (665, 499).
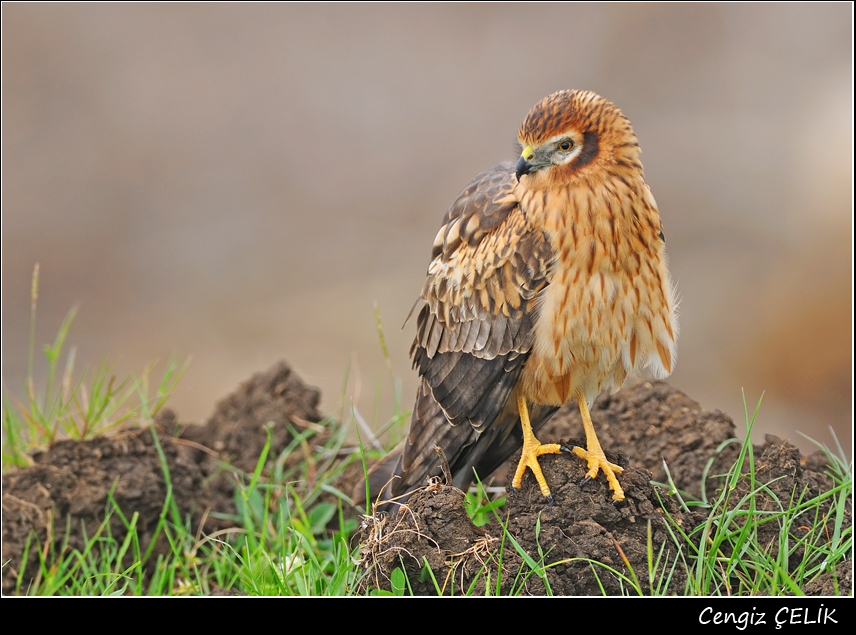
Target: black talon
(550, 499)
(585, 480)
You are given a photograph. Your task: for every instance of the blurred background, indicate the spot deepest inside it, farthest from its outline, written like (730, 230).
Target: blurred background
(242, 183)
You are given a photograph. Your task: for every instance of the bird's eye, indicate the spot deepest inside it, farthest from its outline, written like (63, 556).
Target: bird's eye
(566, 145)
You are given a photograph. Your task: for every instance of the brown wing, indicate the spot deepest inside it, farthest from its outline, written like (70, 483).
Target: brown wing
(474, 334)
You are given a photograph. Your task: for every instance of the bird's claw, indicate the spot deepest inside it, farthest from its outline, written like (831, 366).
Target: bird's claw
(597, 463)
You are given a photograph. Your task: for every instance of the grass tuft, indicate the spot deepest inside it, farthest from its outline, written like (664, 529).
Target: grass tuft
(71, 406)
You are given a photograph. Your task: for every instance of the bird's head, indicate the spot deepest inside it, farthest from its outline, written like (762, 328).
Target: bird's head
(573, 134)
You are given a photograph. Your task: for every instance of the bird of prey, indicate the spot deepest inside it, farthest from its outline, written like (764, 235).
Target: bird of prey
(547, 284)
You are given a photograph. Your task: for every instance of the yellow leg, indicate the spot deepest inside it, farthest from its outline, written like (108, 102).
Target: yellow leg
(594, 454)
(532, 449)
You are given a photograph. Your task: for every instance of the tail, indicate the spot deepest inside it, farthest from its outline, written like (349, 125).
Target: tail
(407, 467)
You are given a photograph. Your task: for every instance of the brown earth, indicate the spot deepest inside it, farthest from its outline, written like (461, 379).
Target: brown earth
(62, 498)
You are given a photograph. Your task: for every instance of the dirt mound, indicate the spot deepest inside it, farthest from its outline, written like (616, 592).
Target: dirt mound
(275, 401)
(76, 479)
(593, 545)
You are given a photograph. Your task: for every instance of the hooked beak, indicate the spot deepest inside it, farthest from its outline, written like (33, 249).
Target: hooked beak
(524, 166)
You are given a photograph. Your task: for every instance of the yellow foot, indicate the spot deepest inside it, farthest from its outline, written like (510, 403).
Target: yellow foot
(597, 461)
(532, 449)
(529, 458)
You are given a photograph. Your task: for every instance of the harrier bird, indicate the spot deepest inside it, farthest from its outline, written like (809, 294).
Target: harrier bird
(548, 283)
